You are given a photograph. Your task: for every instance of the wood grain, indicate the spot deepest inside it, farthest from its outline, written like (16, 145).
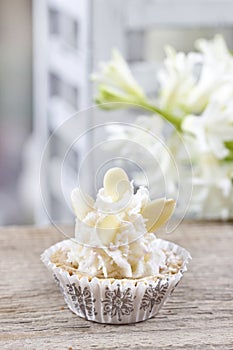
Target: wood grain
(199, 315)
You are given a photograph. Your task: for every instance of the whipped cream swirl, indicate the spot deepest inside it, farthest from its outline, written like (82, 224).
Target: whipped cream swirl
(112, 240)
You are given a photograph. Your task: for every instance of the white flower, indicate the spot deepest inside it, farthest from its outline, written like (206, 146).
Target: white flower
(213, 191)
(196, 96)
(177, 80)
(116, 83)
(188, 82)
(215, 51)
(213, 128)
(216, 71)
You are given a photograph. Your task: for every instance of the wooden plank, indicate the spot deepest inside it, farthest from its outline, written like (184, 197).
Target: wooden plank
(144, 14)
(199, 315)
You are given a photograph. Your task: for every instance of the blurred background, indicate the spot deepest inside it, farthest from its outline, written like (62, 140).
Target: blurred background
(48, 49)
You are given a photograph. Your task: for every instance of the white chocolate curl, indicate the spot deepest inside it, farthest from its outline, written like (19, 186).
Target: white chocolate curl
(116, 184)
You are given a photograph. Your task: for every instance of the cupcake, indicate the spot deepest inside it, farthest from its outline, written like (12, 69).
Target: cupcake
(116, 270)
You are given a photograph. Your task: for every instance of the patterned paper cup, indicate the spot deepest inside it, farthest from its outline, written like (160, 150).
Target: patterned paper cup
(116, 301)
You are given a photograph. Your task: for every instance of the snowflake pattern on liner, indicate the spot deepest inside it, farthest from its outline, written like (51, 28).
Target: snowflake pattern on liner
(82, 300)
(118, 303)
(154, 295)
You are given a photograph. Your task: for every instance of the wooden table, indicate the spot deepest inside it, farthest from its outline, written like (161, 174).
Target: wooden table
(199, 315)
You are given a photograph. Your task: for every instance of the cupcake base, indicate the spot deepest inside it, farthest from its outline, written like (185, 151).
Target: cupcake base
(116, 301)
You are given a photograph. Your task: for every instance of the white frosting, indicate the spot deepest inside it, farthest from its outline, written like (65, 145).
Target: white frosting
(130, 253)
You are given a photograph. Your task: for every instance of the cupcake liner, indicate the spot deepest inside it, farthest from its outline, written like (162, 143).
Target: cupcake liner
(116, 301)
